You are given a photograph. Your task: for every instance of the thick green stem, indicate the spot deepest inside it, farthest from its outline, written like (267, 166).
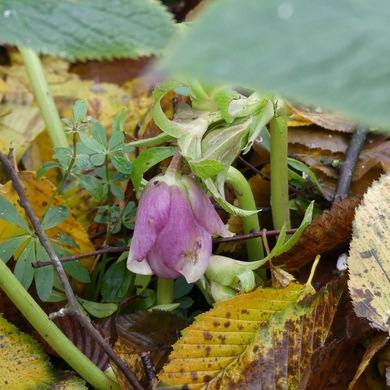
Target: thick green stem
(164, 291)
(44, 98)
(49, 331)
(247, 202)
(279, 167)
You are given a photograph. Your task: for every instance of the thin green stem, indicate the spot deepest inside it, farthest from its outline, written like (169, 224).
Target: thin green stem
(72, 162)
(49, 331)
(251, 223)
(279, 167)
(109, 201)
(44, 98)
(164, 291)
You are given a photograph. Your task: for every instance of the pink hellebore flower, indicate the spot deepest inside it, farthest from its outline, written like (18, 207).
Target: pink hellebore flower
(174, 224)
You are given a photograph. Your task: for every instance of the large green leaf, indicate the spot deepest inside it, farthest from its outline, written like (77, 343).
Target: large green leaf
(331, 53)
(87, 29)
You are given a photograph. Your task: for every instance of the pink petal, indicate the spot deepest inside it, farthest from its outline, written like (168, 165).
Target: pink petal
(139, 267)
(204, 210)
(194, 264)
(183, 244)
(159, 268)
(152, 214)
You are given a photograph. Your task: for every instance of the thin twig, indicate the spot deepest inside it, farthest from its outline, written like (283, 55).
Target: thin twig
(347, 167)
(109, 249)
(252, 235)
(44, 240)
(116, 249)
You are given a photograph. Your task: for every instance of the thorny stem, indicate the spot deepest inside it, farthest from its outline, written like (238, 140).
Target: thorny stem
(251, 223)
(44, 98)
(74, 308)
(279, 167)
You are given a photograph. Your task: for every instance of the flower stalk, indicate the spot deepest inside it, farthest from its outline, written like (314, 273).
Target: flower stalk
(250, 223)
(279, 167)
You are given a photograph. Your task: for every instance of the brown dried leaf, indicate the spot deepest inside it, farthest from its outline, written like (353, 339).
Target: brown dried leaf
(82, 339)
(332, 229)
(333, 366)
(316, 138)
(376, 344)
(377, 152)
(327, 121)
(145, 331)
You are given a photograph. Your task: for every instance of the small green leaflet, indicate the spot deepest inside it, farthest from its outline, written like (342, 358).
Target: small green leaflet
(9, 213)
(91, 184)
(24, 271)
(54, 216)
(79, 110)
(44, 276)
(98, 310)
(147, 159)
(8, 247)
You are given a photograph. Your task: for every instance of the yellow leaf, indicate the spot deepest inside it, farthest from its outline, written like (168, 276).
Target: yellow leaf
(23, 364)
(19, 129)
(369, 261)
(262, 340)
(38, 194)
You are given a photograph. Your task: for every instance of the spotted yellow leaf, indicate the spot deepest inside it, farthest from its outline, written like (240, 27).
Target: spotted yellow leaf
(269, 328)
(369, 261)
(23, 364)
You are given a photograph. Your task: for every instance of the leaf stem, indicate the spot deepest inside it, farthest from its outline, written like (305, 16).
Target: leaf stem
(49, 331)
(279, 167)
(44, 98)
(250, 223)
(63, 177)
(164, 291)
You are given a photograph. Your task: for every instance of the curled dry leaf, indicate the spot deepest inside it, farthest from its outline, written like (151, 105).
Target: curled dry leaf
(325, 120)
(332, 229)
(376, 343)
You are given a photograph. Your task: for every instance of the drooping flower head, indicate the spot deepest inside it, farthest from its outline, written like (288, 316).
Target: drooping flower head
(174, 226)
